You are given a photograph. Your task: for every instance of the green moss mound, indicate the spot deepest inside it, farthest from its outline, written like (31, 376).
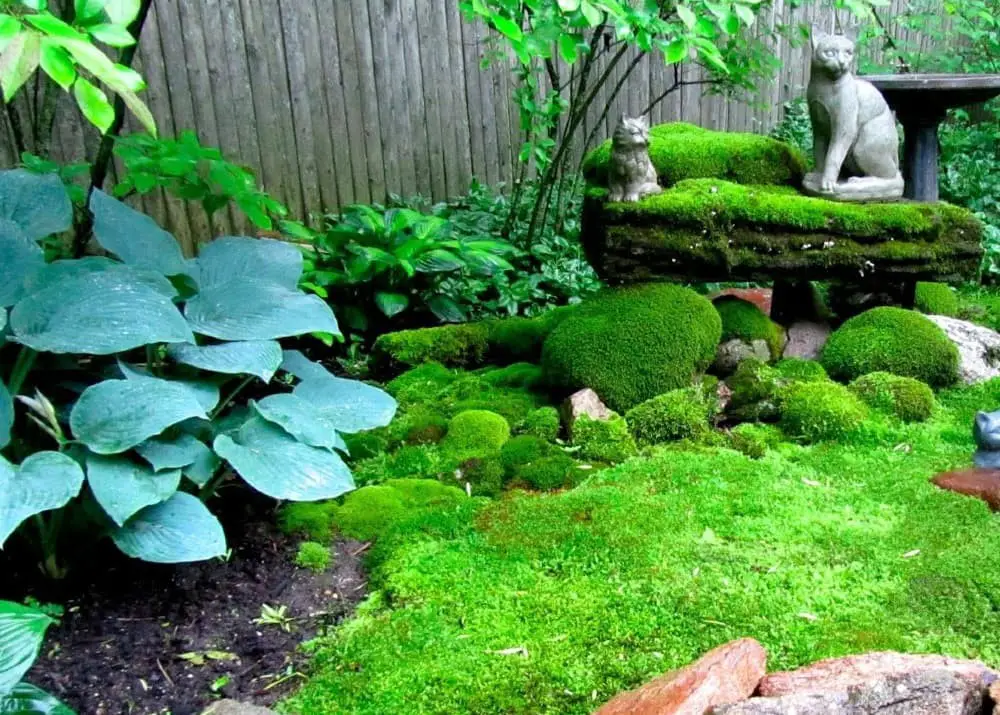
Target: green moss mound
(743, 320)
(634, 343)
(314, 556)
(311, 519)
(524, 375)
(800, 370)
(908, 399)
(543, 422)
(820, 411)
(937, 299)
(754, 440)
(485, 476)
(679, 414)
(553, 472)
(373, 511)
(415, 385)
(892, 340)
(475, 433)
(608, 441)
(683, 151)
(365, 445)
(523, 450)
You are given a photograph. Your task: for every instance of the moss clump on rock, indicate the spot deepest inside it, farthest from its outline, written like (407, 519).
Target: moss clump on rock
(742, 320)
(552, 472)
(799, 370)
(634, 343)
(475, 433)
(522, 450)
(426, 427)
(543, 422)
(754, 440)
(417, 384)
(908, 399)
(484, 475)
(608, 441)
(679, 414)
(524, 375)
(894, 340)
(819, 411)
(372, 511)
(937, 299)
(754, 391)
(314, 556)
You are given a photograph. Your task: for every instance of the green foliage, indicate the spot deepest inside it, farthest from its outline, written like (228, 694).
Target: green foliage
(634, 343)
(474, 433)
(365, 445)
(678, 414)
(754, 440)
(543, 422)
(312, 519)
(314, 556)
(801, 370)
(553, 472)
(373, 511)
(744, 321)
(795, 128)
(936, 299)
(22, 630)
(484, 475)
(608, 441)
(892, 340)
(753, 383)
(415, 384)
(908, 399)
(819, 411)
(518, 375)
(522, 450)
(426, 427)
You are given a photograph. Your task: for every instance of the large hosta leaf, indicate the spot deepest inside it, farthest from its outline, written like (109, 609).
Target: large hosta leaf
(38, 203)
(44, 481)
(22, 630)
(178, 530)
(246, 310)
(134, 237)
(295, 363)
(20, 259)
(350, 406)
(275, 463)
(172, 452)
(6, 415)
(123, 487)
(249, 260)
(116, 415)
(259, 357)
(59, 271)
(204, 391)
(100, 314)
(26, 699)
(300, 419)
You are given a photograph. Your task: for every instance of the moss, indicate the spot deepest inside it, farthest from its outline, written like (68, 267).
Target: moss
(485, 476)
(312, 519)
(892, 340)
(543, 422)
(365, 445)
(524, 375)
(799, 370)
(753, 382)
(634, 343)
(608, 441)
(475, 433)
(754, 440)
(683, 151)
(512, 405)
(937, 299)
(373, 511)
(819, 411)
(426, 427)
(421, 383)
(412, 461)
(523, 450)
(908, 399)
(552, 472)
(743, 320)
(313, 556)
(521, 339)
(679, 414)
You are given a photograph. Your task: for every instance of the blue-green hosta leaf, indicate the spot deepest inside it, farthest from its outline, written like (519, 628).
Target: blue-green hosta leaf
(6, 415)
(278, 465)
(179, 530)
(115, 415)
(44, 481)
(22, 630)
(295, 363)
(20, 259)
(260, 357)
(203, 468)
(134, 237)
(26, 699)
(100, 314)
(204, 391)
(350, 406)
(38, 203)
(245, 310)
(172, 452)
(300, 419)
(59, 271)
(123, 487)
(249, 260)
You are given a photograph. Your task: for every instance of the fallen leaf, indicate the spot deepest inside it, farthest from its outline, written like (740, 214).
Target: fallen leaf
(911, 554)
(519, 650)
(809, 616)
(811, 482)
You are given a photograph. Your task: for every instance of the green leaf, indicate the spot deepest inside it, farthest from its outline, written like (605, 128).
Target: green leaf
(179, 530)
(44, 481)
(18, 61)
(112, 35)
(745, 13)
(94, 104)
(26, 699)
(569, 5)
(276, 464)
(446, 309)
(508, 27)
(20, 259)
(57, 64)
(88, 10)
(676, 51)
(687, 16)
(115, 415)
(594, 16)
(204, 392)
(22, 630)
(134, 237)
(172, 452)
(6, 409)
(9, 27)
(259, 357)
(350, 406)
(53, 26)
(123, 487)
(298, 365)
(568, 48)
(439, 261)
(122, 85)
(300, 419)
(203, 468)
(391, 303)
(100, 314)
(250, 259)
(122, 12)
(38, 203)
(59, 272)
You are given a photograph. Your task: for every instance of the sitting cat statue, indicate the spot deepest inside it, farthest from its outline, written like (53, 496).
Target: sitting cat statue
(855, 141)
(631, 175)
(986, 431)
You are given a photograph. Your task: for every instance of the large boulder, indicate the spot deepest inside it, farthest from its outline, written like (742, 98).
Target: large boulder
(978, 348)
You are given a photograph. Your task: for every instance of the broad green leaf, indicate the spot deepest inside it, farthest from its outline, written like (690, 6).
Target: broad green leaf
(676, 51)
(94, 104)
(687, 16)
(249, 259)
(172, 452)
(112, 35)
(593, 15)
(57, 64)
(179, 530)
(9, 27)
(26, 699)
(446, 309)
(18, 61)
(300, 419)
(22, 630)
(38, 203)
(44, 481)
(20, 259)
(205, 392)
(568, 48)
(508, 27)
(59, 272)
(295, 363)
(276, 464)
(261, 357)
(391, 303)
(115, 415)
(88, 10)
(569, 5)
(53, 26)
(439, 260)
(6, 412)
(134, 237)
(88, 56)
(350, 406)
(203, 468)
(122, 12)
(243, 309)
(122, 487)
(123, 84)
(745, 13)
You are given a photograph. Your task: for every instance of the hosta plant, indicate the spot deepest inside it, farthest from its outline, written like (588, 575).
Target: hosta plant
(22, 629)
(124, 381)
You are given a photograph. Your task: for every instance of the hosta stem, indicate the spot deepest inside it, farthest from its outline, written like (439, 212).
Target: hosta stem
(22, 366)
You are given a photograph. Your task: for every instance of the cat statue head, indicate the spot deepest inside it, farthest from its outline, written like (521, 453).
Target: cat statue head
(986, 431)
(631, 133)
(833, 55)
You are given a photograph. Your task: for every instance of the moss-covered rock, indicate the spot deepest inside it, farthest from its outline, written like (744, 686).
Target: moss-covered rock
(891, 340)
(475, 433)
(678, 414)
(742, 320)
(365, 445)
(819, 411)
(908, 399)
(426, 427)
(372, 511)
(607, 441)
(484, 476)
(634, 343)
(524, 375)
(937, 299)
(543, 422)
(799, 370)
(420, 383)
(553, 472)
(415, 462)
(523, 450)
(754, 440)
(754, 391)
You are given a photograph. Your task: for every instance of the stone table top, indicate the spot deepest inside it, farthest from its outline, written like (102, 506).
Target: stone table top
(942, 91)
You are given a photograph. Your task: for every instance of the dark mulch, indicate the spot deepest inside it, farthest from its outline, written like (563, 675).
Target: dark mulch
(118, 648)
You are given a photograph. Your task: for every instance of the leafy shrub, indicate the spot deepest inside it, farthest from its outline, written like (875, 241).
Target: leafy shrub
(312, 519)
(543, 422)
(608, 441)
(818, 411)
(891, 340)
(553, 472)
(754, 440)
(678, 414)
(373, 511)
(633, 343)
(475, 433)
(936, 299)
(743, 320)
(797, 369)
(313, 556)
(22, 630)
(908, 399)
(795, 127)
(139, 402)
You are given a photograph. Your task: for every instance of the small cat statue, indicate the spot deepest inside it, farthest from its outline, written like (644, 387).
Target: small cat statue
(631, 175)
(986, 431)
(855, 141)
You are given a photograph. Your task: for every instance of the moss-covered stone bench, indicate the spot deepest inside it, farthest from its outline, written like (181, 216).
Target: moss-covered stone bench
(731, 211)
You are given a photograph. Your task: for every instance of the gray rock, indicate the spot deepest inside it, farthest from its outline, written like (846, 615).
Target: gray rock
(731, 353)
(584, 402)
(806, 340)
(233, 707)
(978, 348)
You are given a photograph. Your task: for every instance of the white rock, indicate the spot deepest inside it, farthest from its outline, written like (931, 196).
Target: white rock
(978, 348)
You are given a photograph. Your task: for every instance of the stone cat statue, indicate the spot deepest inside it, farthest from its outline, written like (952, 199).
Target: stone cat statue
(986, 431)
(631, 175)
(855, 142)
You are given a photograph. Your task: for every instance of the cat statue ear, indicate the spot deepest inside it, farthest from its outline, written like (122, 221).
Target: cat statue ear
(817, 35)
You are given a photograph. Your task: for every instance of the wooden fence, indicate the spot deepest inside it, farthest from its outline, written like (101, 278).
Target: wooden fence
(341, 101)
